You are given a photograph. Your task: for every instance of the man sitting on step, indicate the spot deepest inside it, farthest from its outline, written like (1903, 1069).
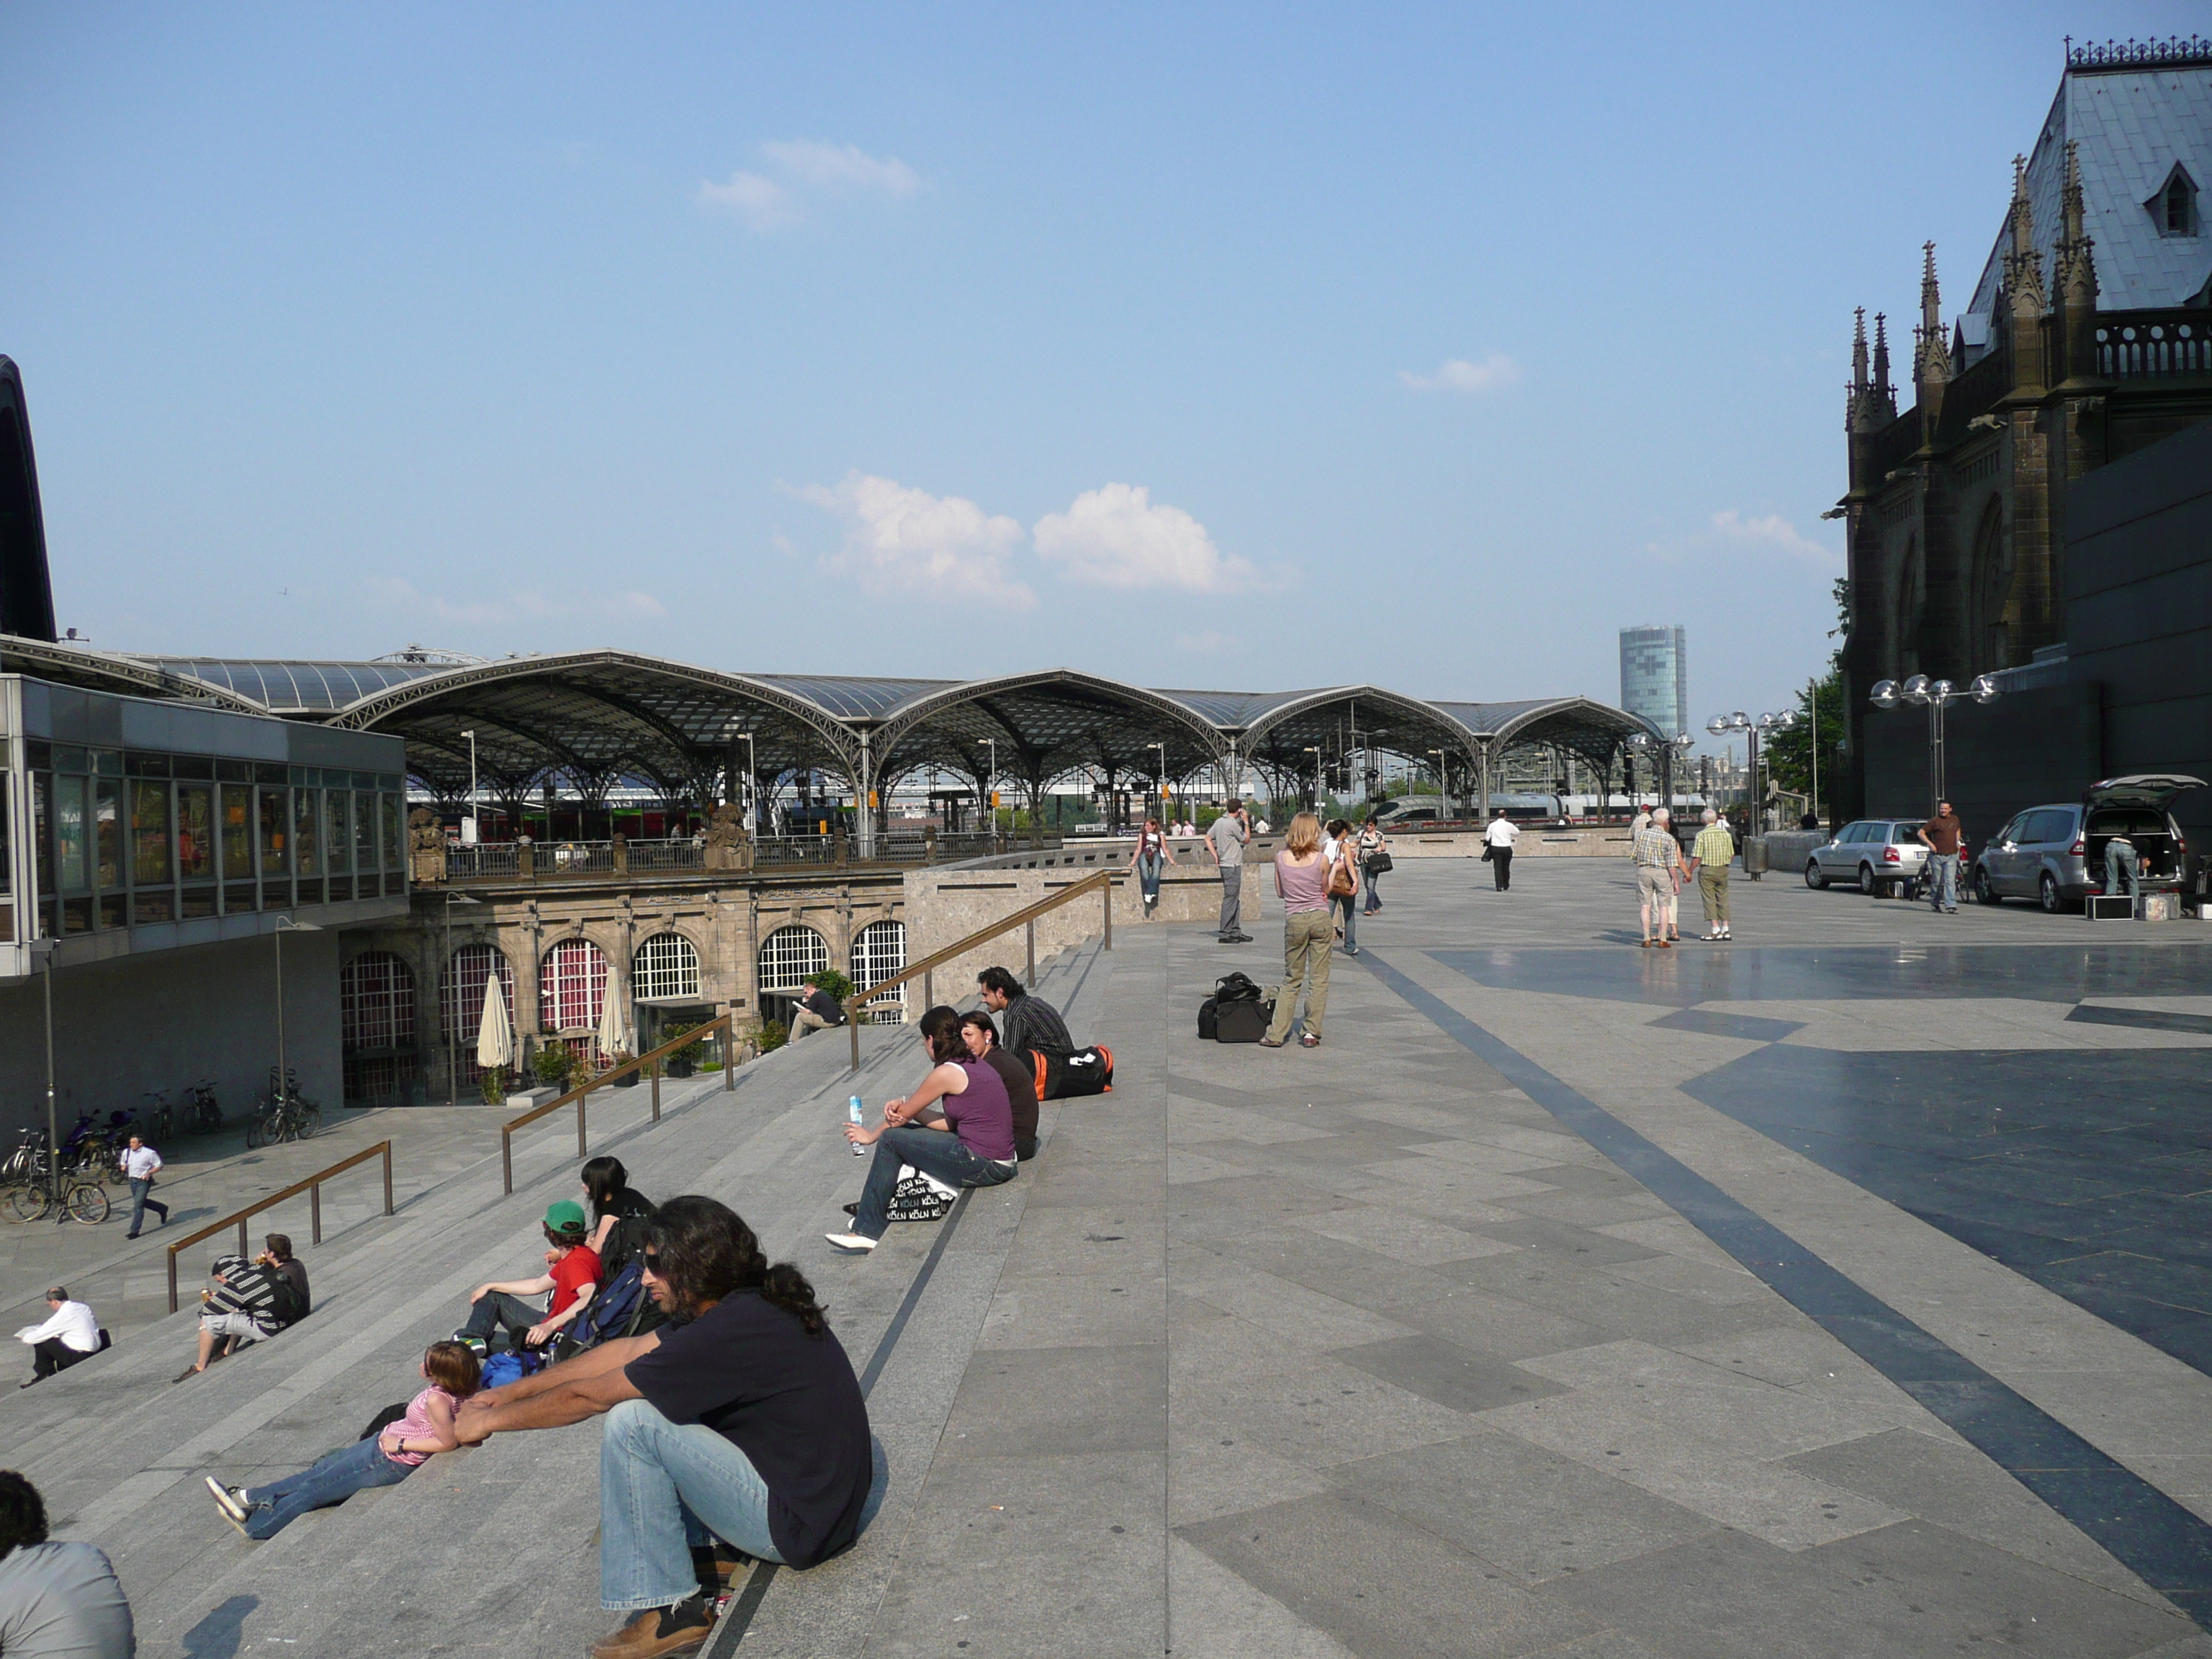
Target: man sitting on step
(572, 1274)
(1025, 1021)
(251, 1300)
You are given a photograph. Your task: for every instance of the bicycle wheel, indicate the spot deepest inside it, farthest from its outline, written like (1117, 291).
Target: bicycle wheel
(89, 1203)
(257, 1132)
(310, 1121)
(29, 1203)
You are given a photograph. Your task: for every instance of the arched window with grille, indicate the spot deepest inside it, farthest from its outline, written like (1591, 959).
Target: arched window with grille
(461, 1001)
(787, 957)
(878, 952)
(376, 1027)
(572, 987)
(665, 968)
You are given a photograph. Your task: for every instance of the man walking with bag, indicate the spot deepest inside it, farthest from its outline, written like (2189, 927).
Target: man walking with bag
(140, 1161)
(1498, 839)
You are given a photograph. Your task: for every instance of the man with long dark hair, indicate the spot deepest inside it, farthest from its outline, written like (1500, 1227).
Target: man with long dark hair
(742, 1412)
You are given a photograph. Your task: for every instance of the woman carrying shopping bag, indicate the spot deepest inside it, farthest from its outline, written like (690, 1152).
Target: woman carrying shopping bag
(1374, 860)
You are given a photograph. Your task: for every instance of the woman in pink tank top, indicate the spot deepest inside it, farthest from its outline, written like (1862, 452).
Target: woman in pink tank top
(384, 1459)
(1301, 883)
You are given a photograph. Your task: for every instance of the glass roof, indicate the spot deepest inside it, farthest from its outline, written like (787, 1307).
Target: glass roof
(854, 697)
(297, 687)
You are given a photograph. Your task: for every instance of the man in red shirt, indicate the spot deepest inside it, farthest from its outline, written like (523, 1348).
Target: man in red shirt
(1945, 838)
(571, 1275)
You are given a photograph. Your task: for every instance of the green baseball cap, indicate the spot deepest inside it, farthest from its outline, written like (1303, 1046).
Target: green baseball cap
(566, 1218)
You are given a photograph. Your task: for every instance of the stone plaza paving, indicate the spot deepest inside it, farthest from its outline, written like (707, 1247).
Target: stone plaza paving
(1837, 1292)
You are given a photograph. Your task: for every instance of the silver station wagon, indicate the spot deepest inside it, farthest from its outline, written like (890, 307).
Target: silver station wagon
(2055, 854)
(1869, 855)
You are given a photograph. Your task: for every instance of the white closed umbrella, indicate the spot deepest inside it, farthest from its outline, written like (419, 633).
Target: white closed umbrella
(494, 1037)
(613, 1040)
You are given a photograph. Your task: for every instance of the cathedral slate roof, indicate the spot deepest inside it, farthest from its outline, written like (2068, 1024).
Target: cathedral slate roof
(2128, 126)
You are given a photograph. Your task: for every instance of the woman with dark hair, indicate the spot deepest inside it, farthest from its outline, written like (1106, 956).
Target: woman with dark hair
(606, 1184)
(958, 1127)
(383, 1459)
(1153, 854)
(736, 1426)
(980, 1037)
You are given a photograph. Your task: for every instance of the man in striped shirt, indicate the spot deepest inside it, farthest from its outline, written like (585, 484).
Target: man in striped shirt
(241, 1309)
(1658, 868)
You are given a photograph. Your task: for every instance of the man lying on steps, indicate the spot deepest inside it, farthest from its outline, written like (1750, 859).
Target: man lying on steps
(739, 1425)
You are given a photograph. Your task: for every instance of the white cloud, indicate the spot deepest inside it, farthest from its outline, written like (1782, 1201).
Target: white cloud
(760, 203)
(1458, 374)
(523, 605)
(815, 163)
(902, 540)
(806, 165)
(1772, 534)
(1117, 537)
(1208, 643)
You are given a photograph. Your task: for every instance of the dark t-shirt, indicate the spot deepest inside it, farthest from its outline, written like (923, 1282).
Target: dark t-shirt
(297, 1271)
(1021, 1093)
(820, 1003)
(625, 1241)
(789, 1402)
(1943, 834)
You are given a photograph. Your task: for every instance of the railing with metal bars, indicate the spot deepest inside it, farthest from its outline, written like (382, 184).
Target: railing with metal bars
(2142, 345)
(1102, 883)
(559, 859)
(724, 1024)
(312, 1186)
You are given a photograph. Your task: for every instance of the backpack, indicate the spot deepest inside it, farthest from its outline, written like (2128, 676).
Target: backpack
(504, 1368)
(625, 1243)
(1244, 1021)
(1236, 988)
(611, 1312)
(287, 1306)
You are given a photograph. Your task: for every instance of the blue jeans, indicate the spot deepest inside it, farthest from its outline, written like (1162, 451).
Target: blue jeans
(1149, 865)
(139, 1203)
(933, 1152)
(1372, 882)
(337, 1478)
(2120, 868)
(496, 1308)
(1944, 881)
(1342, 905)
(665, 1487)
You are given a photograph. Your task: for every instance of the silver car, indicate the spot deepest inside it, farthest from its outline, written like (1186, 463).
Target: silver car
(1869, 855)
(2055, 854)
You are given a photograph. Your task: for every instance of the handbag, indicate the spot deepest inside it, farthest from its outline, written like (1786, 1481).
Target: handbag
(1488, 849)
(1377, 863)
(1340, 882)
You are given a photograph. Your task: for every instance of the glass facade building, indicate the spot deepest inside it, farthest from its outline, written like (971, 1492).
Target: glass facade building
(129, 824)
(1654, 676)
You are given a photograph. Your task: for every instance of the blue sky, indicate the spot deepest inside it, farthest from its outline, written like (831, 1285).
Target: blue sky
(1257, 347)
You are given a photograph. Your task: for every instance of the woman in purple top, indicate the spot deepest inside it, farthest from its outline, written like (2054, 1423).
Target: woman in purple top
(1301, 883)
(958, 1127)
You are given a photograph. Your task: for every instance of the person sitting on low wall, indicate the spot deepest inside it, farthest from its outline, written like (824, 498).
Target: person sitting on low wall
(739, 1425)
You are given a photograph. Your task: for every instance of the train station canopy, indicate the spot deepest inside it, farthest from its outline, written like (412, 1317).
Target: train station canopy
(596, 719)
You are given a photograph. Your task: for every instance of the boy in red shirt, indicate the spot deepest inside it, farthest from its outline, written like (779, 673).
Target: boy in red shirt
(572, 1274)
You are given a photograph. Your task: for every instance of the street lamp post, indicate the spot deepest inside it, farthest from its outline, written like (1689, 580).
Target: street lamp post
(1160, 780)
(1443, 789)
(284, 925)
(1753, 730)
(476, 828)
(1937, 695)
(752, 771)
(452, 1064)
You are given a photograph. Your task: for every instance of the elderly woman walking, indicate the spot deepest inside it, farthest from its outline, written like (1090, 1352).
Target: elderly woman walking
(1302, 883)
(1711, 854)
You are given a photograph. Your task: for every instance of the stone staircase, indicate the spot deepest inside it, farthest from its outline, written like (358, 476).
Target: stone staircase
(494, 1549)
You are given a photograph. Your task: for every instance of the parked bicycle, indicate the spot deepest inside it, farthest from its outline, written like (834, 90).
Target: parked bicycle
(290, 1118)
(203, 1112)
(161, 1116)
(29, 1182)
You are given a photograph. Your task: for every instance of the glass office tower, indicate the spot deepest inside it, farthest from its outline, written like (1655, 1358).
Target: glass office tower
(1654, 676)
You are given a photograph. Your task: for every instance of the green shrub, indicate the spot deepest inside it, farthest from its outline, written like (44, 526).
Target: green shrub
(834, 983)
(773, 1035)
(555, 1066)
(493, 1081)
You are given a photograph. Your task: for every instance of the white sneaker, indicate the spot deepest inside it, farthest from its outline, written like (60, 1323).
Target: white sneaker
(856, 1241)
(229, 1499)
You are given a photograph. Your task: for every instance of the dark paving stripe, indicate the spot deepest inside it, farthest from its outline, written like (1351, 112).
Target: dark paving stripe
(2164, 1544)
(1751, 1028)
(2148, 1020)
(735, 1622)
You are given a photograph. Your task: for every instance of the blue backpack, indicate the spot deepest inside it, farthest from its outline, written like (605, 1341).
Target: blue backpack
(504, 1368)
(611, 1312)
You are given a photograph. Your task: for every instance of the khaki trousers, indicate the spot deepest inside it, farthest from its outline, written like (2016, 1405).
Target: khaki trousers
(1713, 889)
(1308, 938)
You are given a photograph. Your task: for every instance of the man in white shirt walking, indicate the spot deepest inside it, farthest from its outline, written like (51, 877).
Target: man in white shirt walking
(70, 1334)
(1497, 838)
(139, 1163)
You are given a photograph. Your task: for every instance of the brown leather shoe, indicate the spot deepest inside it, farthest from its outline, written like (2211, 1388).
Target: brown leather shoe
(659, 1629)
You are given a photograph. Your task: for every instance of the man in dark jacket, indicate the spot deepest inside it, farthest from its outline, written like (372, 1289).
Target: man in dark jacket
(816, 1011)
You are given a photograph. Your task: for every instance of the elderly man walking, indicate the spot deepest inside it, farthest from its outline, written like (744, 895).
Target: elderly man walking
(1710, 857)
(1658, 868)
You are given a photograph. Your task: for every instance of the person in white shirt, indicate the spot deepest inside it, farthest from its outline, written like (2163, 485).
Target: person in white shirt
(69, 1335)
(139, 1163)
(1497, 838)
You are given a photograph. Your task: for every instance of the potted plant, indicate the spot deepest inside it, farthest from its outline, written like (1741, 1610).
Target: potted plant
(493, 1081)
(555, 1067)
(773, 1034)
(685, 1060)
(620, 1057)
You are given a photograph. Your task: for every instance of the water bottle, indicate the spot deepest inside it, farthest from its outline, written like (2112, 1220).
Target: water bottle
(854, 1111)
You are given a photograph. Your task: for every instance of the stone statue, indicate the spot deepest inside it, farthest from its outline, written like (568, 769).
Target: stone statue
(426, 846)
(728, 847)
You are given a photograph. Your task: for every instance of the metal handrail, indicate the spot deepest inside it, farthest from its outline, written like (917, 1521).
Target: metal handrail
(1101, 881)
(312, 1186)
(726, 1024)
